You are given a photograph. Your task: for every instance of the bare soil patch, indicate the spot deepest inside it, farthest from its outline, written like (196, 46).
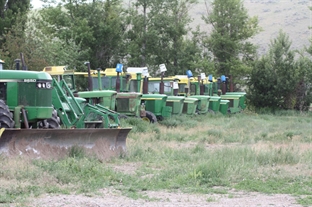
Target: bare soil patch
(111, 197)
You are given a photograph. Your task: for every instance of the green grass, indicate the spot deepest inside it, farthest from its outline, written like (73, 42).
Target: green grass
(262, 153)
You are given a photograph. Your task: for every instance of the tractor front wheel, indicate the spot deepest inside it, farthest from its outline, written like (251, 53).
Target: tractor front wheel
(54, 123)
(122, 116)
(6, 118)
(51, 123)
(150, 117)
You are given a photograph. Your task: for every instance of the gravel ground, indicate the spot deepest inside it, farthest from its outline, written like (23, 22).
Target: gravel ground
(110, 197)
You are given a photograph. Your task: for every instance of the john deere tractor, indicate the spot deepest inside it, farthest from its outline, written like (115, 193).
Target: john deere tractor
(156, 103)
(236, 100)
(188, 88)
(103, 89)
(32, 108)
(26, 100)
(169, 86)
(128, 102)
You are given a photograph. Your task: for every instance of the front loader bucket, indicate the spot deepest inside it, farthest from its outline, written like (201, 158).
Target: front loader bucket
(56, 143)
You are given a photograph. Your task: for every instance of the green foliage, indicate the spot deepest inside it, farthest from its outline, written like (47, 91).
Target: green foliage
(305, 200)
(181, 120)
(77, 152)
(138, 125)
(158, 34)
(274, 77)
(215, 133)
(9, 11)
(303, 89)
(277, 156)
(96, 37)
(14, 194)
(228, 41)
(87, 174)
(295, 186)
(13, 18)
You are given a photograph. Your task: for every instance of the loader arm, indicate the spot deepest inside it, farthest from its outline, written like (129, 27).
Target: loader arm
(101, 116)
(113, 114)
(69, 111)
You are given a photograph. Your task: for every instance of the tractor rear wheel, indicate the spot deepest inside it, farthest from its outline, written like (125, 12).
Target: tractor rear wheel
(6, 118)
(150, 117)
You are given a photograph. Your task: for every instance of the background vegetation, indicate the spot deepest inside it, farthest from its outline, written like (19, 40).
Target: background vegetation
(149, 33)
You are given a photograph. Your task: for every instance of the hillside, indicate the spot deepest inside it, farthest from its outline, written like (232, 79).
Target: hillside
(292, 16)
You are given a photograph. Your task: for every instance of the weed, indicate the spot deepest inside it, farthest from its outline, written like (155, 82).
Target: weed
(278, 156)
(198, 149)
(285, 185)
(169, 123)
(138, 125)
(211, 199)
(215, 133)
(76, 152)
(305, 200)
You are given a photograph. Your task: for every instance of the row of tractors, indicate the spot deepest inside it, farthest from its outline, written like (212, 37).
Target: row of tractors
(134, 93)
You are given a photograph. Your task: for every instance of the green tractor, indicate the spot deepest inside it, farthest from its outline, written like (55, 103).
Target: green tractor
(108, 90)
(169, 86)
(236, 99)
(29, 102)
(156, 103)
(85, 111)
(202, 85)
(240, 94)
(128, 102)
(37, 119)
(186, 88)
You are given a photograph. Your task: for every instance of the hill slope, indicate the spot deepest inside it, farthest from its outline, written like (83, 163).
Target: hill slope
(292, 16)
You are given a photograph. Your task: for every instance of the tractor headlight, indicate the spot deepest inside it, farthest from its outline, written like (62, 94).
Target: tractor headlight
(48, 85)
(44, 85)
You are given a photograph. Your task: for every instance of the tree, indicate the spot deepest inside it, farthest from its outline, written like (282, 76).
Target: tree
(195, 56)
(17, 41)
(99, 35)
(274, 77)
(303, 87)
(12, 12)
(157, 33)
(39, 49)
(9, 10)
(229, 40)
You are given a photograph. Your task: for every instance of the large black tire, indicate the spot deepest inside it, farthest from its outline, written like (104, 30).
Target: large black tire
(54, 123)
(51, 123)
(150, 117)
(6, 118)
(122, 116)
(160, 118)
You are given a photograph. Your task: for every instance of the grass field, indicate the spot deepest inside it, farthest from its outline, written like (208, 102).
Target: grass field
(204, 154)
